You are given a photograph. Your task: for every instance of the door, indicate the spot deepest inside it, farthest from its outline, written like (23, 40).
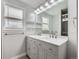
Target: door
(34, 52)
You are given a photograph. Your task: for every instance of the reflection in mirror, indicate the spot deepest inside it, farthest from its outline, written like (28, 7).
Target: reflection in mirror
(52, 19)
(45, 23)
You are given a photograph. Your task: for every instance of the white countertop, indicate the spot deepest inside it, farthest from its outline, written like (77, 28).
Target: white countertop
(56, 41)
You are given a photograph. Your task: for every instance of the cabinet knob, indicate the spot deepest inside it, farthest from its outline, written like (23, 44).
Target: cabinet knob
(40, 44)
(5, 33)
(50, 49)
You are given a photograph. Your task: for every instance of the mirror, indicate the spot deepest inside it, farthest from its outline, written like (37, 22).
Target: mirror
(55, 19)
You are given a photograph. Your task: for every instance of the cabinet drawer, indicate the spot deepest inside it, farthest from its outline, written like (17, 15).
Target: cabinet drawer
(33, 41)
(42, 44)
(52, 49)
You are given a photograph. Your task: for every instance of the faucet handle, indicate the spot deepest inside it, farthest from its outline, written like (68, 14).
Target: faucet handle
(56, 32)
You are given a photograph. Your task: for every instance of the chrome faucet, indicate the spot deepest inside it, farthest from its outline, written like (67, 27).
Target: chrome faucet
(39, 33)
(53, 34)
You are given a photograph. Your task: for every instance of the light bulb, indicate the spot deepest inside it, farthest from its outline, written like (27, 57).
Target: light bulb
(41, 7)
(35, 11)
(38, 9)
(46, 4)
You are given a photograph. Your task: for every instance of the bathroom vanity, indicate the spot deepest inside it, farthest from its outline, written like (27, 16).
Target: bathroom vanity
(41, 47)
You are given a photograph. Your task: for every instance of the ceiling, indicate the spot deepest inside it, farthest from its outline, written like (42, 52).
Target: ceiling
(34, 3)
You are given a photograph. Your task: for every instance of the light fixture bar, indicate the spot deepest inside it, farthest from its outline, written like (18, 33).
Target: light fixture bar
(42, 9)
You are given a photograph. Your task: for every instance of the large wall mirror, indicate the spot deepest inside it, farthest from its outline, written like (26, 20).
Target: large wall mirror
(55, 19)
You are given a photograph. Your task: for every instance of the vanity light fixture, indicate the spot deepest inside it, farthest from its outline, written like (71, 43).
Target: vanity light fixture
(51, 1)
(46, 4)
(35, 11)
(38, 9)
(41, 7)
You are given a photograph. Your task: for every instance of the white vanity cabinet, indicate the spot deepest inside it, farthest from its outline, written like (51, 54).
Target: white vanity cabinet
(43, 50)
(31, 48)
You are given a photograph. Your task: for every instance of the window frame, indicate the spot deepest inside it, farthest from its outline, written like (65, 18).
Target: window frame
(43, 23)
(15, 8)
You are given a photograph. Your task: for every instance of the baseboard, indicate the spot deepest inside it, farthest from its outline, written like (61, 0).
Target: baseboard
(18, 56)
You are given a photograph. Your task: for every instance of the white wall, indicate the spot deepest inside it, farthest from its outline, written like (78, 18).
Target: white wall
(72, 30)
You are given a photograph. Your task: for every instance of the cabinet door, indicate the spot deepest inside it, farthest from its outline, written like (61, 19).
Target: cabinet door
(28, 45)
(50, 56)
(34, 52)
(51, 51)
(41, 51)
(33, 49)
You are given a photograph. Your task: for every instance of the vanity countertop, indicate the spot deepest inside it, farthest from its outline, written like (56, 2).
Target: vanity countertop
(56, 41)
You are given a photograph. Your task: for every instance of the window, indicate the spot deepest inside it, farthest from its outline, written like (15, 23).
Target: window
(45, 23)
(13, 18)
